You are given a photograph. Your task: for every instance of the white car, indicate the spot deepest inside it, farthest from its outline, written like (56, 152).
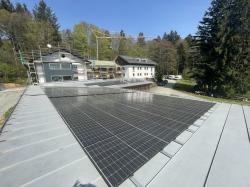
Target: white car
(177, 77)
(171, 77)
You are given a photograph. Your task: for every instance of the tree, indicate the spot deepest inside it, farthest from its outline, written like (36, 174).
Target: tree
(181, 56)
(7, 5)
(141, 40)
(21, 8)
(79, 38)
(43, 13)
(223, 42)
(122, 50)
(173, 37)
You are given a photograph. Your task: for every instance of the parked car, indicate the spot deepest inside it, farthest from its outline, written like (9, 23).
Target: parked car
(177, 77)
(171, 77)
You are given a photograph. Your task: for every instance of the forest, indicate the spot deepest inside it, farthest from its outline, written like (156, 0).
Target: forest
(217, 57)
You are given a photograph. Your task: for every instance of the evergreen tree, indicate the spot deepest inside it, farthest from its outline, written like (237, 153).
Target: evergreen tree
(141, 40)
(7, 5)
(43, 13)
(223, 41)
(173, 37)
(122, 50)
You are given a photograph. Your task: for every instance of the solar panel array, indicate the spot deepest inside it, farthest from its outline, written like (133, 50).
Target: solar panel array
(121, 130)
(107, 83)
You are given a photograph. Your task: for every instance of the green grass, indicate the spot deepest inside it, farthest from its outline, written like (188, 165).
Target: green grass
(5, 116)
(187, 86)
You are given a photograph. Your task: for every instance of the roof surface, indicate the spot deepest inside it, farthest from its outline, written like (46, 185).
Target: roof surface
(214, 151)
(103, 63)
(127, 60)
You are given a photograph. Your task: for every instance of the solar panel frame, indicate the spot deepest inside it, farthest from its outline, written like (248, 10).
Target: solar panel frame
(140, 131)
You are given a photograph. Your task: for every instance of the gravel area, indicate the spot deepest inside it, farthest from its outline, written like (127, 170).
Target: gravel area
(169, 91)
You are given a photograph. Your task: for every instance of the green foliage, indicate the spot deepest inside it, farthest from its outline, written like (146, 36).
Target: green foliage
(7, 5)
(158, 74)
(223, 45)
(43, 13)
(172, 37)
(79, 38)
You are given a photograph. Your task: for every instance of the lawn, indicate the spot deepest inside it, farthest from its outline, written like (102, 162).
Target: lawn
(187, 86)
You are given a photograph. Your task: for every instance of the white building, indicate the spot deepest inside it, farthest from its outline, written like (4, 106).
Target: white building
(136, 68)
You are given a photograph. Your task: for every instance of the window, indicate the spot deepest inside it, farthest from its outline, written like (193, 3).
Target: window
(56, 78)
(58, 66)
(151, 69)
(65, 66)
(138, 68)
(133, 68)
(74, 67)
(54, 66)
(133, 74)
(138, 74)
(67, 78)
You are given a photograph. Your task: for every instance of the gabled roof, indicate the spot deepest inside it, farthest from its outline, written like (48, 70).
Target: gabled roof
(58, 55)
(127, 60)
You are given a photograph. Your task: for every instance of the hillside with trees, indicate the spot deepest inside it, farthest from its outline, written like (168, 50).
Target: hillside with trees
(217, 57)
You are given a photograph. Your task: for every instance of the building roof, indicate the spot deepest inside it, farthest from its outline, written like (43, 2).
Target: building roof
(102, 63)
(127, 60)
(36, 140)
(60, 55)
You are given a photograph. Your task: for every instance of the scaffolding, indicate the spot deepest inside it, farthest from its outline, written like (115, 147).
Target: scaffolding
(30, 58)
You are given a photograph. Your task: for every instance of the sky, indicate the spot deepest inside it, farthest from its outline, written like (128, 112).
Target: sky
(152, 17)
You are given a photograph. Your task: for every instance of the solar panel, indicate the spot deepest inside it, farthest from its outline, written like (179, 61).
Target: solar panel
(107, 83)
(73, 91)
(121, 130)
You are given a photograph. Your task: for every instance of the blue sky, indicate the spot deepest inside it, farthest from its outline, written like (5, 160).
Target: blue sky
(153, 17)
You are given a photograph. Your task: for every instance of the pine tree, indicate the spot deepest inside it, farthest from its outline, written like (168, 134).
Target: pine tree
(7, 5)
(223, 41)
(43, 13)
(122, 50)
(141, 40)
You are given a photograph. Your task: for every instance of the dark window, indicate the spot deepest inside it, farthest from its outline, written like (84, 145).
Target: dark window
(56, 78)
(67, 78)
(54, 66)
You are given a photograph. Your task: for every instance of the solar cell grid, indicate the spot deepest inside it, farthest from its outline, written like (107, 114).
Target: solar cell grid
(73, 92)
(119, 130)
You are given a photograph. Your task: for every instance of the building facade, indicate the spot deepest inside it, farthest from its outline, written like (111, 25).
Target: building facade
(100, 69)
(136, 68)
(60, 66)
